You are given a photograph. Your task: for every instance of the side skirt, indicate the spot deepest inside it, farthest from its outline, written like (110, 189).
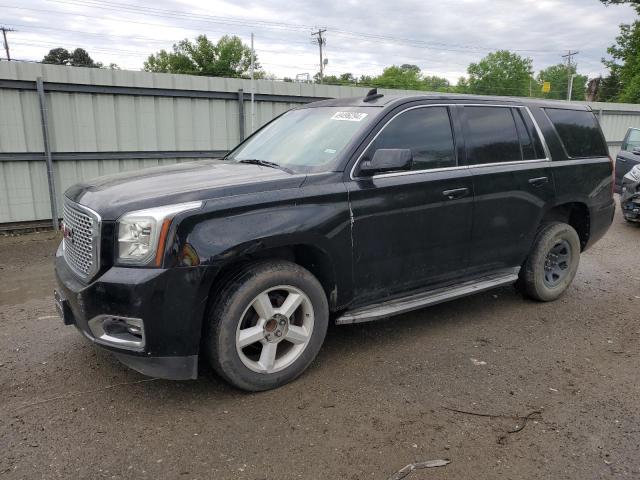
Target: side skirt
(419, 300)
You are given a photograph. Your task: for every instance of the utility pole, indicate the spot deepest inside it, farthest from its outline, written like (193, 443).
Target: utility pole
(569, 72)
(321, 41)
(6, 43)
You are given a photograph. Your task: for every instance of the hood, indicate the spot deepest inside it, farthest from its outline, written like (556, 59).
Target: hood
(113, 195)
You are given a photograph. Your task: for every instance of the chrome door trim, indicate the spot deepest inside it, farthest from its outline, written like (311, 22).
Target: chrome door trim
(543, 141)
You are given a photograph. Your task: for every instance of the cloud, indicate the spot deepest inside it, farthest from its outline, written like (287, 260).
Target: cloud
(362, 37)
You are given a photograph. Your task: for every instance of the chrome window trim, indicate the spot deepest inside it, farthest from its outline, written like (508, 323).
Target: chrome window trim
(543, 141)
(96, 236)
(457, 167)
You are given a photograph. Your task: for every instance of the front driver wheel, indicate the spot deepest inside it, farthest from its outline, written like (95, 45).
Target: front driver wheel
(267, 326)
(552, 263)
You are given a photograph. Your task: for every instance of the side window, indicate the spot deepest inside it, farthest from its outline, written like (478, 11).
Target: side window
(633, 139)
(491, 135)
(533, 132)
(579, 132)
(426, 132)
(528, 150)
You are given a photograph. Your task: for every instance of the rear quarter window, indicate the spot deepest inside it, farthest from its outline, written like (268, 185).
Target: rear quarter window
(579, 132)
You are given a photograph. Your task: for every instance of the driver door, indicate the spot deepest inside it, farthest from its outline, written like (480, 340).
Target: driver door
(411, 229)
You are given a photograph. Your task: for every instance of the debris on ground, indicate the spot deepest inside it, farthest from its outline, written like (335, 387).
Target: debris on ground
(403, 472)
(475, 361)
(536, 414)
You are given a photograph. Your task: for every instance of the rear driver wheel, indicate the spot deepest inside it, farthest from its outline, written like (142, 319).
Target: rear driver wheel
(267, 326)
(552, 263)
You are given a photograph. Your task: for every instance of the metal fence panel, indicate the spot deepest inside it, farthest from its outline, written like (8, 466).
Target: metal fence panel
(108, 121)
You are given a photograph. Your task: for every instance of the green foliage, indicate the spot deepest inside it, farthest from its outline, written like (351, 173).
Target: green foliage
(624, 67)
(406, 77)
(57, 56)
(344, 79)
(435, 84)
(558, 76)
(634, 3)
(227, 58)
(78, 58)
(609, 88)
(500, 73)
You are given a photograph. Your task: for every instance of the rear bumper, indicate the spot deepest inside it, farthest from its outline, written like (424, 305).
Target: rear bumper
(601, 218)
(169, 302)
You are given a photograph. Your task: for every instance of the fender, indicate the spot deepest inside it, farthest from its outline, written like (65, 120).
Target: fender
(231, 229)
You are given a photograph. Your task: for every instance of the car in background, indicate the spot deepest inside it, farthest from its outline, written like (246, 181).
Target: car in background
(628, 157)
(630, 195)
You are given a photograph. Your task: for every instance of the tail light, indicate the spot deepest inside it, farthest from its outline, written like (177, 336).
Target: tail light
(613, 175)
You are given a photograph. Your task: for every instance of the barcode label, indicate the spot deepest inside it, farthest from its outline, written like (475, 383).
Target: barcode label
(349, 116)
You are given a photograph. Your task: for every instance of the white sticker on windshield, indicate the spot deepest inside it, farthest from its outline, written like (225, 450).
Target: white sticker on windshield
(349, 116)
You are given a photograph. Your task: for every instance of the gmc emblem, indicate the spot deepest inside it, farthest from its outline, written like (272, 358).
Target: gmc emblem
(67, 233)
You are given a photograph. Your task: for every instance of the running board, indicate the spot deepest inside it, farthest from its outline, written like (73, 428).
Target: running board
(423, 299)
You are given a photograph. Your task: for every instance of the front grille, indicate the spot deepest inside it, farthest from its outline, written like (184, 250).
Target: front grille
(81, 231)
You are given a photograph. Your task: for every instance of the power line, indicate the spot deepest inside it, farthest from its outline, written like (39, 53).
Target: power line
(6, 42)
(321, 43)
(202, 18)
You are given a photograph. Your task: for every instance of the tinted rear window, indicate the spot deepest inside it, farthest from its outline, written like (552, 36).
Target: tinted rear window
(492, 135)
(579, 132)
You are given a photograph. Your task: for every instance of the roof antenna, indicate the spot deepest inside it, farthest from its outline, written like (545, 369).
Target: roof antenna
(372, 95)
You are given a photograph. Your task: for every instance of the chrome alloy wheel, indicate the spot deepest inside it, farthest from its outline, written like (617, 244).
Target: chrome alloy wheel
(274, 329)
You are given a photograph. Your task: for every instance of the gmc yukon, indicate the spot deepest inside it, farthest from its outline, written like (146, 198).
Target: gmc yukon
(345, 210)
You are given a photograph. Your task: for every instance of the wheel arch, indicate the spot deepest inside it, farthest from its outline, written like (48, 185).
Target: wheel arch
(575, 214)
(309, 256)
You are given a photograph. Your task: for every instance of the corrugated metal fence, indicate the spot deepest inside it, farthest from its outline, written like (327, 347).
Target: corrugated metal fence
(108, 121)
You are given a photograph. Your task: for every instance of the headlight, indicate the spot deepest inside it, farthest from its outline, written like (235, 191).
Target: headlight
(141, 234)
(634, 174)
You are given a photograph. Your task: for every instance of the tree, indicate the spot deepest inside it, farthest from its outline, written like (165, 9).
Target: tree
(609, 88)
(406, 77)
(227, 58)
(624, 67)
(462, 86)
(558, 76)
(634, 3)
(500, 73)
(435, 84)
(57, 56)
(78, 58)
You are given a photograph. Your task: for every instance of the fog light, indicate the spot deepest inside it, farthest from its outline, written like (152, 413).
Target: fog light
(123, 332)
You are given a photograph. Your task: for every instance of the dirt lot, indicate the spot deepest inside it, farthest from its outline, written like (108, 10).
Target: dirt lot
(372, 402)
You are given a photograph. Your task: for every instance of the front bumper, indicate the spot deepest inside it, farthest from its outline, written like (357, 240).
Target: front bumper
(631, 209)
(170, 302)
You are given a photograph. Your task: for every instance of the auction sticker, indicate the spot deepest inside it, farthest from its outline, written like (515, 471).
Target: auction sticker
(349, 116)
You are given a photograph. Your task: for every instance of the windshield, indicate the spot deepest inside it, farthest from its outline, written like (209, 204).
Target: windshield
(306, 140)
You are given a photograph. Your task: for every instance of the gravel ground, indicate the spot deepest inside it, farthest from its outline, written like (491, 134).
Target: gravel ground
(373, 402)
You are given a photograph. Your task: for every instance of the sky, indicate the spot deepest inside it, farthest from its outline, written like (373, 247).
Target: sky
(362, 37)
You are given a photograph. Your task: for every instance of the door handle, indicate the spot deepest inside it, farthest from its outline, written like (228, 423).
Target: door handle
(539, 181)
(455, 193)
(621, 159)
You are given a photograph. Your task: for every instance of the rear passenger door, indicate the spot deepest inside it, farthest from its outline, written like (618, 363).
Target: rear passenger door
(512, 183)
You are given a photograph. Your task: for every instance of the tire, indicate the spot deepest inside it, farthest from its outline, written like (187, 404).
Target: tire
(280, 338)
(552, 263)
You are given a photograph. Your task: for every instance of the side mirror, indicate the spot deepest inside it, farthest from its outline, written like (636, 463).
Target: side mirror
(387, 160)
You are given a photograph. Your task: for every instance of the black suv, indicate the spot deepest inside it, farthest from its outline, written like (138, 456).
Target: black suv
(346, 210)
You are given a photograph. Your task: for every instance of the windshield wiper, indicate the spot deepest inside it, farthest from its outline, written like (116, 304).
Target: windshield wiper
(265, 163)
